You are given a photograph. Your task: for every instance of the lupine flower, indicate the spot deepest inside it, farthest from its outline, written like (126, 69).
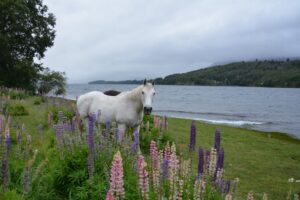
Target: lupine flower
(228, 197)
(73, 124)
(116, 177)
(250, 196)
(143, 177)
(160, 125)
(154, 154)
(180, 191)
(173, 168)
(207, 159)
(217, 139)
(60, 115)
(109, 195)
(7, 138)
(136, 143)
(192, 136)
(116, 131)
(167, 151)
(227, 187)
(201, 161)
(19, 140)
(199, 188)
(166, 122)
(220, 162)
(107, 127)
(58, 129)
(91, 145)
(154, 162)
(165, 169)
(212, 162)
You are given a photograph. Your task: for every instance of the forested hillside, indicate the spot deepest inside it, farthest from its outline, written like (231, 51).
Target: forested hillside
(254, 73)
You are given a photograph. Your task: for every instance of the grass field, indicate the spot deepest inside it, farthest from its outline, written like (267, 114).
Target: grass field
(263, 162)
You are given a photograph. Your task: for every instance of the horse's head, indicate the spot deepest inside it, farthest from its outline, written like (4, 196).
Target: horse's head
(148, 93)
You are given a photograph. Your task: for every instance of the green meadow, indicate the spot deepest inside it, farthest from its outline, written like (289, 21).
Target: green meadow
(263, 162)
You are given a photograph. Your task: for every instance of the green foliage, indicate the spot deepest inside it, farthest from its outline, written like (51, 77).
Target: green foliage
(38, 101)
(26, 31)
(52, 80)
(66, 111)
(252, 73)
(16, 109)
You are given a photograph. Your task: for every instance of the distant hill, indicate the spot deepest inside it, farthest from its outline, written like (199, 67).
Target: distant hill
(268, 73)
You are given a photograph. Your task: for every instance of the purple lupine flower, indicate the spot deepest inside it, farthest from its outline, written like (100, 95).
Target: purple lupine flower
(220, 161)
(207, 159)
(107, 127)
(73, 125)
(166, 122)
(192, 136)
(136, 142)
(19, 137)
(7, 140)
(165, 167)
(217, 139)
(91, 145)
(60, 115)
(201, 161)
(116, 134)
(58, 129)
(91, 133)
(227, 187)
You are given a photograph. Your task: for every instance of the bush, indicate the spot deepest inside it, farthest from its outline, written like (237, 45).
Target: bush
(16, 110)
(14, 94)
(38, 101)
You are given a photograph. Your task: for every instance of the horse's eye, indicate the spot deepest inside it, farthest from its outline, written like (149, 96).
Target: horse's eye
(143, 92)
(153, 93)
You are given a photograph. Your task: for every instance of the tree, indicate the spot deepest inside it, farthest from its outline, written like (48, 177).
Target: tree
(52, 81)
(26, 31)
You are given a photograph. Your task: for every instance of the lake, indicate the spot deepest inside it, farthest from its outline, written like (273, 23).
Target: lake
(266, 109)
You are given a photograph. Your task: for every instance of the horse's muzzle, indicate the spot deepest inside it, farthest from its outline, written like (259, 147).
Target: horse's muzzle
(147, 110)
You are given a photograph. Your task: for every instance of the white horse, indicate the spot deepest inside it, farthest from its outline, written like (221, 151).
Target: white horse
(126, 109)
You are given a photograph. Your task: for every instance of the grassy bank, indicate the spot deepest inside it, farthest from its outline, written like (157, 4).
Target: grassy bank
(263, 163)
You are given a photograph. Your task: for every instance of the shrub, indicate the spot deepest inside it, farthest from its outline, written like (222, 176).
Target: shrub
(16, 109)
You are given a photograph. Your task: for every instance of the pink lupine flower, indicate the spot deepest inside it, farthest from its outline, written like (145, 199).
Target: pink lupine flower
(167, 151)
(154, 162)
(109, 196)
(143, 177)
(154, 154)
(116, 177)
(173, 169)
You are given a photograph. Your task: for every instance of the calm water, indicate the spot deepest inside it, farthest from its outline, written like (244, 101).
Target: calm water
(268, 109)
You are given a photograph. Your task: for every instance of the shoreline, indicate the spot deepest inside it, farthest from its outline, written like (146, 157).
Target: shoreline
(271, 134)
(275, 134)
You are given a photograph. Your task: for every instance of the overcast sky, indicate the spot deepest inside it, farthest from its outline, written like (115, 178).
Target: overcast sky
(134, 39)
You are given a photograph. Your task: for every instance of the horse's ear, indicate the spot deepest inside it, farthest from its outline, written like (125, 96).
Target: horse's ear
(145, 81)
(153, 82)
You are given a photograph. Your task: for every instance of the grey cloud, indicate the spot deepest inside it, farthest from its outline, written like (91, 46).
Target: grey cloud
(118, 40)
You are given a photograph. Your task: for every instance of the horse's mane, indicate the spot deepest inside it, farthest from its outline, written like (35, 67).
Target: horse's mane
(112, 92)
